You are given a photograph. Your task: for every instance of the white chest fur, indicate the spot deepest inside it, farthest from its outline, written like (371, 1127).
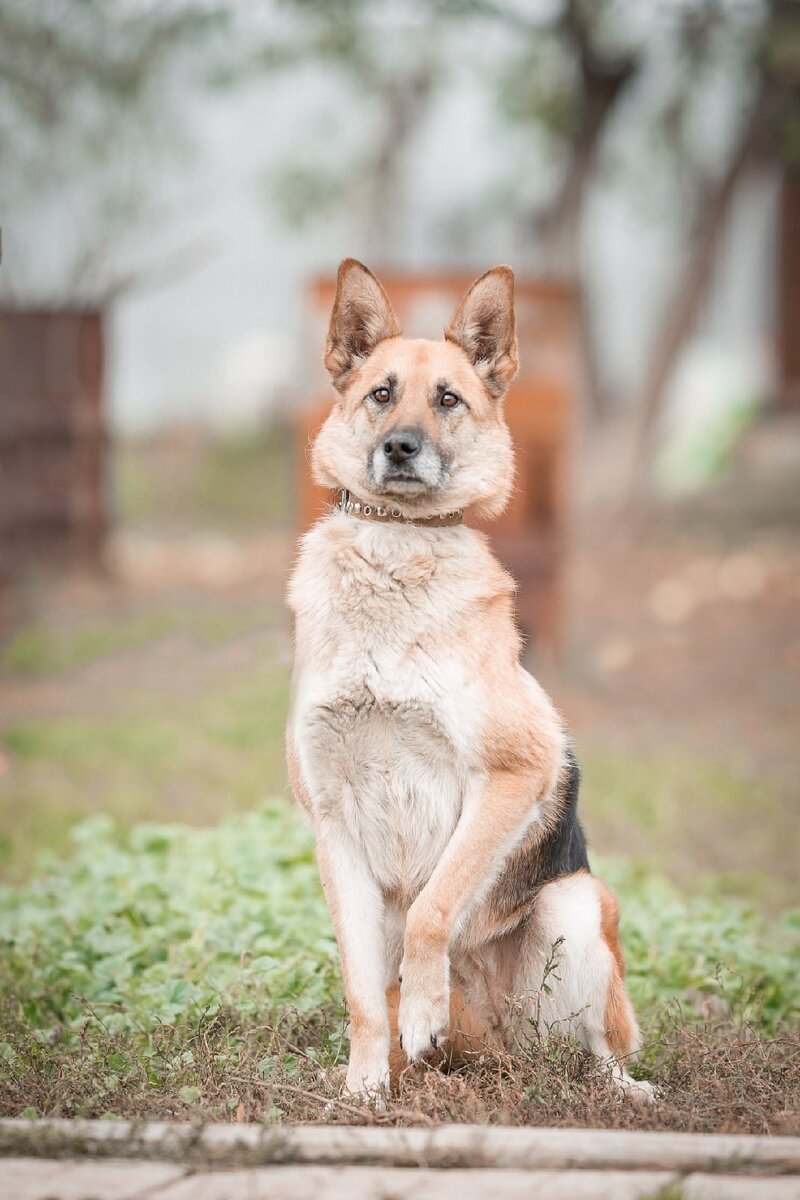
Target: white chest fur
(386, 712)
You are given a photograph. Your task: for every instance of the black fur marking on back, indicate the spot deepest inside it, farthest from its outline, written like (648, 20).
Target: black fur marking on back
(564, 849)
(537, 860)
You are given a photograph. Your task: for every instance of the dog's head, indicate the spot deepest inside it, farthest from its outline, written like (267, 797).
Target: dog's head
(419, 424)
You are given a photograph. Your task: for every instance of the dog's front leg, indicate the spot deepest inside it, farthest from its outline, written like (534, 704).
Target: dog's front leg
(489, 828)
(357, 911)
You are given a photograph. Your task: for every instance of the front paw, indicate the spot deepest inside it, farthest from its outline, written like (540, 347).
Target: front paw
(367, 1076)
(423, 1018)
(638, 1092)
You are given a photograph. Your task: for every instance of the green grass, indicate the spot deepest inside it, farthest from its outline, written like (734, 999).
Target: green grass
(711, 823)
(203, 753)
(38, 650)
(150, 968)
(188, 968)
(190, 757)
(167, 922)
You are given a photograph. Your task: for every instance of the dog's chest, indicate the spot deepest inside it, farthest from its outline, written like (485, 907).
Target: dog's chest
(386, 716)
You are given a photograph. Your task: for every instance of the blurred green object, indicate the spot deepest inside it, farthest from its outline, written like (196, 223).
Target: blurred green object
(715, 398)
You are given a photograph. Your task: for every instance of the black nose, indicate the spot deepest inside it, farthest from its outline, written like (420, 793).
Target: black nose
(401, 444)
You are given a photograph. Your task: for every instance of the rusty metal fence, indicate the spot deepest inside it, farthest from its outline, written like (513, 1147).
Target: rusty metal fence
(52, 442)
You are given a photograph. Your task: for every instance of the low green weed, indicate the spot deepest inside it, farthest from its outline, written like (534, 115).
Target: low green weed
(172, 970)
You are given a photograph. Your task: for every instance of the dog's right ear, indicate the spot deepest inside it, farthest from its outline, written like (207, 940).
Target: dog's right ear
(485, 328)
(362, 316)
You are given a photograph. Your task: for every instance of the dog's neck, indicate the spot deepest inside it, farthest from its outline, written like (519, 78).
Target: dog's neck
(347, 503)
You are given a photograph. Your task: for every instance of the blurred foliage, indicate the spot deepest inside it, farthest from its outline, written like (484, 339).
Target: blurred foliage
(388, 62)
(694, 458)
(86, 113)
(95, 87)
(113, 50)
(304, 191)
(537, 88)
(556, 72)
(675, 68)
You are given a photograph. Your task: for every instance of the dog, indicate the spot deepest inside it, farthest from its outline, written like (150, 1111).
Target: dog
(435, 771)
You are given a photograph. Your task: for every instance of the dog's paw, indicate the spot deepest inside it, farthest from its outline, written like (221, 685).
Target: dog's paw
(423, 1019)
(367, 1078)
(636, 1091)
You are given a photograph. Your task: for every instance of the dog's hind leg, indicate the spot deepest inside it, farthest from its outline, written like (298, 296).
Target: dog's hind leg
(570, 976)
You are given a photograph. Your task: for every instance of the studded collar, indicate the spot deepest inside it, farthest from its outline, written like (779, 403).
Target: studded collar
(347, 503)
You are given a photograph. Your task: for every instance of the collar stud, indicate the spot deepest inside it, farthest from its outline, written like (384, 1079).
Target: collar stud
(346, 503)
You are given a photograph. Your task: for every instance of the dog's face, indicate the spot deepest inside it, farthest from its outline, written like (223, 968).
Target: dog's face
(418, 425)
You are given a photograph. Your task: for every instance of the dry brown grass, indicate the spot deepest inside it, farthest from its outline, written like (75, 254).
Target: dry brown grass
(711, 1078)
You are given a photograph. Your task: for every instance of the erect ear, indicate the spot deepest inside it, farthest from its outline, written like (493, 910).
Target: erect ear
(485, 328)
(362, 316)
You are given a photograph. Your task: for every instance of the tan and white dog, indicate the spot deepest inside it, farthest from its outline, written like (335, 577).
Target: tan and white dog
(434, 769)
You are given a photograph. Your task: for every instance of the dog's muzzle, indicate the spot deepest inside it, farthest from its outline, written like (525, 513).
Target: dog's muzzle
(406, 456)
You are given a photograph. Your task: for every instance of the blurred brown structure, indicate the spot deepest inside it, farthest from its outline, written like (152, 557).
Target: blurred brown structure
(52, 442)
(528, 538)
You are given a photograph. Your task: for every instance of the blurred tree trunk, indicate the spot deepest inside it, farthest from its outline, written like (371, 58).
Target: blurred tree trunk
(405, 102)
(766, 135)
(685, 303)
(789, 290)
(603, 81)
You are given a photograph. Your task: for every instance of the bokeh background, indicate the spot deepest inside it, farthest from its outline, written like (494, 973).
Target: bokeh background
(178, 183)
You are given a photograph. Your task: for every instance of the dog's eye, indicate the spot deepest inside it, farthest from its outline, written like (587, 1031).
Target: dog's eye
(449, 400)
(381, 395)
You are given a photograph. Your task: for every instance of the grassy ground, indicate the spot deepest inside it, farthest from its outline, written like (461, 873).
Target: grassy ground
(176, 712)
(179, 972)
(39, 650)
(180, 754)
(163, 970)
(164, 948)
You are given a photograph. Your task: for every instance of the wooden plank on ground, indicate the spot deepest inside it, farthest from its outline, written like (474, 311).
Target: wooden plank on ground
(449, 1146)
(109, 1179)
(125, 1179)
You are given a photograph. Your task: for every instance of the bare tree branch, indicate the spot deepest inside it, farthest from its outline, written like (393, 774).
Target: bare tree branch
(682, 311)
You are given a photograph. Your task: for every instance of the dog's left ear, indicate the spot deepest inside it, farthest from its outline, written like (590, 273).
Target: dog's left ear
(362, 316)
(485, 328)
